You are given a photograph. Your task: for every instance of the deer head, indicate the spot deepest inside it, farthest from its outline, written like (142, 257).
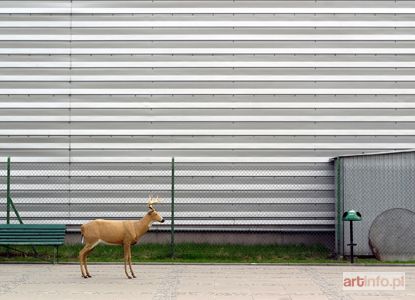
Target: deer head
(155, 216)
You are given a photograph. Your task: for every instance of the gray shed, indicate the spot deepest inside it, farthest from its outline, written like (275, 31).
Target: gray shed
(371, 184)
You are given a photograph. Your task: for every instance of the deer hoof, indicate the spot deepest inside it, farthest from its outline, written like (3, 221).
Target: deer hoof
(89, 276)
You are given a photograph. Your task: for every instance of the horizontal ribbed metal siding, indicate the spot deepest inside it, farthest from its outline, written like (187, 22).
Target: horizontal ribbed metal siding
(208, 196)
(208, 82)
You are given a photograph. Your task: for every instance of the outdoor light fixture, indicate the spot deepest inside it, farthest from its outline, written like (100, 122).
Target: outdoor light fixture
(352, 216)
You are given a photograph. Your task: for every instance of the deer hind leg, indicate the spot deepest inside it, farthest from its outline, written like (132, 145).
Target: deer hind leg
(129, 263)
(83, 259)
(127, 248)
(81, 265)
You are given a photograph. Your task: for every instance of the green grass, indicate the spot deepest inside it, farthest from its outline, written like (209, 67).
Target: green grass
(192, 253)
(186, 253)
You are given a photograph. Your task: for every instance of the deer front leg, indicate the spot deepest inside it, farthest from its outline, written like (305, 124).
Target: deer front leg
(129, 263)
(127, 248)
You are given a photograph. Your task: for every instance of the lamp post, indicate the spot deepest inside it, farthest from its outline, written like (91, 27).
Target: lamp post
(352, 216)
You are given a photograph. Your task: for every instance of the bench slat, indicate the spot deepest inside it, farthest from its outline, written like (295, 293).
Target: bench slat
(10, 237)
(32, 231)
(21, 235)
(32, 226)
(11, 233)
(32, 234)
(32, 243)
(32, 240)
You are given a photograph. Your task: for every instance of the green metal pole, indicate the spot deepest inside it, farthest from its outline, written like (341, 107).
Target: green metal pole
(15, 211)
(339, 208)
(10, 204)
(172, 208)
(8, 191)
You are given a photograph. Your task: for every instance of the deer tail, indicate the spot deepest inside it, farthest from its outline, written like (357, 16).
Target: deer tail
(82, 234)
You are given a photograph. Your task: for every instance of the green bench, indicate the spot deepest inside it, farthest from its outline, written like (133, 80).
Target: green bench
(33, 235)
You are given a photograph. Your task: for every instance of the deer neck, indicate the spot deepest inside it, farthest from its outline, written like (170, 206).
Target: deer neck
(143, 225)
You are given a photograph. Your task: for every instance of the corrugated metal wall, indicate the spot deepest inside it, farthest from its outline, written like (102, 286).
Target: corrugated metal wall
(209, 82)
(372, 184)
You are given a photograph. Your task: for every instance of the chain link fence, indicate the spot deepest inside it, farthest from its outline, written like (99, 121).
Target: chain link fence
(229, 203)
(213, 203)
(254, 203)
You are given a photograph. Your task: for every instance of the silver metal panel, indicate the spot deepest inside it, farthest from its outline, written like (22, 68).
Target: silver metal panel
(210, 196)
(89, 87)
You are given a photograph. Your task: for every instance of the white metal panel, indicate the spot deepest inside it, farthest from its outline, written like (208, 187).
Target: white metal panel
(205, 132)
(204, 105)
(182, 119)
(207, 37)
(209, 146)
(204, 78)
(208, 91)
(213, 10)
(130, 24)
(207, 64)
(204, 50)
(133, 83)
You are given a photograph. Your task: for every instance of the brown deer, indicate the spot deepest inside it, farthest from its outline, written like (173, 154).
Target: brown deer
(110, 232)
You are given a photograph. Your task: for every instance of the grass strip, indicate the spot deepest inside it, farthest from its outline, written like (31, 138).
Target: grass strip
(185, 253)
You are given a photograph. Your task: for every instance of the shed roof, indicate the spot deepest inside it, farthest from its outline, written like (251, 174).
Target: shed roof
(373, 153)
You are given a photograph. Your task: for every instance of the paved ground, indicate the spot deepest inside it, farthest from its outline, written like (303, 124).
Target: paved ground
(156, 282)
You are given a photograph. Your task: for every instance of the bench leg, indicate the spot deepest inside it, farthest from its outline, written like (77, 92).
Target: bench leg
(55, 252)
(35, 252)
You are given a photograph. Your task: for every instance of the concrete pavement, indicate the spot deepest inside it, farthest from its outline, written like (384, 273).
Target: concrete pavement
(159, 282)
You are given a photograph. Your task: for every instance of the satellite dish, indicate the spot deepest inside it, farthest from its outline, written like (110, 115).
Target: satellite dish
(392, 235)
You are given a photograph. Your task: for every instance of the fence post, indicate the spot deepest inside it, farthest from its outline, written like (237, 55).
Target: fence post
(339, 212)
(10, 204)
(8, 191)
(172, 208)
